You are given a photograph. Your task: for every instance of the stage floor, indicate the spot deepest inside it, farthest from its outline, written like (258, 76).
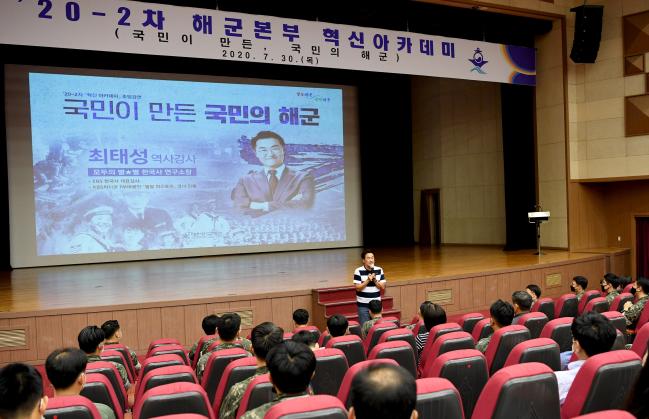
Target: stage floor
(101, 285)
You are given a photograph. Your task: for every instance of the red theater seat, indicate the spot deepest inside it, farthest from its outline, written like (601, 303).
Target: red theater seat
(237, 370)
(618, 302)
(345, 386)
(159, 361)
(71, 407)
(482, 329)
(542, 350)
(607, 414)
(525, 390)
(324, 339)
(165, 375)
(585, 299)
(313, 407)
(644, 318)
(216, 364)
(545, 306)
(438, 398)
(617, 319)
(597, 304)
(627, 288)
(559, 331)
(602, 383)
(448, 342)
(331, 366)
(501, 344)
(258, 392)
(127, 356)
(199, 346)
(391, 319)
(354, 328)
(469, 320)
(640, 342)
(566, 306)
(419, 328)
(169, 349)
(534, 322)
(399, 334)
(375, 333)
(99, 390)
(313, 329)
(352, 347)
(162, 342)
(109, 370)
(118, 357)
(620, 341)
(398, 350)
(175, 398)
(466, 369)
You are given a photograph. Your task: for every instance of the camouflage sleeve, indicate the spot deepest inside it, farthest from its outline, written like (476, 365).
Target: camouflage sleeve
(192, 351)
(136, 362)
(610, 298)
(206, 345)
(247, 345)
(365, 329)
(259, 412)
(200, 367)
(633, 313)
(232, 401)
(123, 374)
(482, 344)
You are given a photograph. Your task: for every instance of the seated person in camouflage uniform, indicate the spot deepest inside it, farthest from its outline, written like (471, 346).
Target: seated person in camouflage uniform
(264, 337)
(65, 369)
(91, 341)
(632, 311)
(229, 327)
(21, 392)
(376, 311)
(291, 366)
(209, 327)
(502, 314)
(522, 303)
(609, 285)
(383, 391)
(578, 286)
(307, 338)
(114, 335)
(300, 318)
(337, 325)
(534, 291)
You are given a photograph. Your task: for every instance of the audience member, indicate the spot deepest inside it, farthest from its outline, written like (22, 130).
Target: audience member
(632, 311)
(502, 314)
(432, 314)
(376, 313)
(383, 391)
(21, 393)
(522, 302)
(66, 371)
(592, 334)
(609, 286)
(337, 325)
(308, 338)
(623, 281)
(114, 335)
(291, 366)
(229, 327)
(534, 291)
(209, 328)
(578, 286)
(265, 337)
(91, 341)
(637, 400)
(300, 317)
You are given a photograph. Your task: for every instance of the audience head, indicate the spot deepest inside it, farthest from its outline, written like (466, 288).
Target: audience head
(642, 286)
(534, 291)
(229, 327)
(91, 339)
(337, 325)
(21, 392)
(111, 330)
(301, 317)
(432, 314)
(383, 391)
(579, 284)
(307, 338)
(264, 337)
(610, 283)
(502, 314)
(522, 301)
(592, 334)
(210, 324)
(64, 369)
(376, 307)
(623, 281)
(291, 366)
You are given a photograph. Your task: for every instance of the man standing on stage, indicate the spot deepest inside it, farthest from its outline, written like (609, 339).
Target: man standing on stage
(369, 281)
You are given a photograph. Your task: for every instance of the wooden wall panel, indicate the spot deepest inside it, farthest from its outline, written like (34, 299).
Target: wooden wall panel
(99, 318)
(173, 323)
(149, 326)
(31, 353)
(194, 315)
(262, 310)
(282, 316)
(466, 293)
(71, 325)
(409, 301)
(621, 264)
(479, 287)
(49, 335)
(128, 325)
(5, 356)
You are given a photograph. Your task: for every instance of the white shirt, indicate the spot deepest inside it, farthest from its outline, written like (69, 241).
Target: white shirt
(565, 378)
(279, 171)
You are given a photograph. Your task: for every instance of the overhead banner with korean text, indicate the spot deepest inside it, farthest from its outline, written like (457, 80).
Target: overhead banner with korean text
(145, 28)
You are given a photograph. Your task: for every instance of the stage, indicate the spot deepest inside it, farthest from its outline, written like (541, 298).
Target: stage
(44, 308)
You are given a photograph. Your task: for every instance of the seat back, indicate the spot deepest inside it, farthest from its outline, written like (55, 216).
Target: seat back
(169, 349)
(127, 356)
(216, 365)
(524, 390)
(482, 329)
(544, 305)
(620, 341)
(345, 386)
(398, 350)
(534, 321)
(585, 299)
(199, 346)
(392, 319)
(165, 375)
(608, 414)
(618, 302)
(354, 328)
(469, 320)
(627, 288)
(313, 329)
(324, 339)
(258, 392)
(435, 332)
(399, 334)
(640, 342)
(601, 383)
(449, 342)
(597, 304)
(109, 370)
(118, 357)
(237, 370)
(71, 407)
(331, 366)
(174, 398)
(543, 350)
(352, 347)
(501, 344)
(375, 333)
(99, 390)
(159, 361)
(317, 407)
(466, 369)
(617, 319)
(644, 318)
(566, 306)
(438, 398)
(559, 331)
(161, 342)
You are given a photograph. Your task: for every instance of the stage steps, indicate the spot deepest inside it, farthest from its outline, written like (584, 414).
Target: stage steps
(342, 300)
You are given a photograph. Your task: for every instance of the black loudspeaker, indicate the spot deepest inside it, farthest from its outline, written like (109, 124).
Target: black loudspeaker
(588, 33)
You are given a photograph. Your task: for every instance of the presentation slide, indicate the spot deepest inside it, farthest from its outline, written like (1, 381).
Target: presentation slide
(152, 166)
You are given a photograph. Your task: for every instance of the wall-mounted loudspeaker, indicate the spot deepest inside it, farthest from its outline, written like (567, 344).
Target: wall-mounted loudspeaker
(588, 33)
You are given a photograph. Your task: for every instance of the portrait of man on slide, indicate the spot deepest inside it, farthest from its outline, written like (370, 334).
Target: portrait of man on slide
(276, 186)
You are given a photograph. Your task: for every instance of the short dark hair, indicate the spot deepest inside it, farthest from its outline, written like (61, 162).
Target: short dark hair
(523, 299)
(229, 325)
(643, 283)
(21, 388)
(110, 327)
(261, 135)
(535, 289)
(63, 366)
(433, 314)
(383, 390)
(608, 276)
(365, 252)
(291, 366)
(306, 337)
(265, 336)
(502, 313)
(210, 324)
(594, 332)
(612, 279)
(582, 281)
(624, 281)
(376, 306)
(90, 338)
(301, 316)
(337, 325)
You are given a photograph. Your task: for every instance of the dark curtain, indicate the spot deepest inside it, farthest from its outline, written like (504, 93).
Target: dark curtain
(642, 246)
